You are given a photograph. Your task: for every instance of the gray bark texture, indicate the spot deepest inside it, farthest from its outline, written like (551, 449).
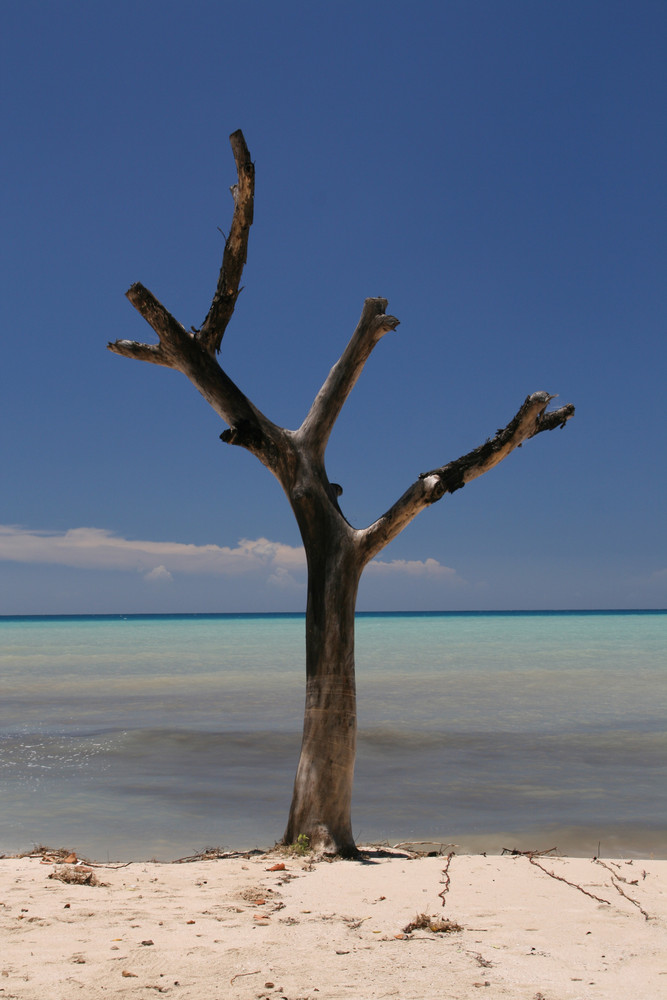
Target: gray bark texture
(336, 553)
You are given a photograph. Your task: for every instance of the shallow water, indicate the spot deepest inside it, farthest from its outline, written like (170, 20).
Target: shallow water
(156, 736)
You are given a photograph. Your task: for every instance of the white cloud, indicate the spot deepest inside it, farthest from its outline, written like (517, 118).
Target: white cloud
(95, 548)
(159, 575)
(412, 567)
(283, 579)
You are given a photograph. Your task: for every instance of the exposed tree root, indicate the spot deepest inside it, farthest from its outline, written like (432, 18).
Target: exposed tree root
(560, 878)
(447, 879)
(615, 879)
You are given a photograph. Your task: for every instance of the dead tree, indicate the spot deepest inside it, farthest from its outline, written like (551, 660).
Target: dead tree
(336, 552)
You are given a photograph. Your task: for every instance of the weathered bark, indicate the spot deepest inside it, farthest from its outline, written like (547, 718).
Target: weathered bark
(322, 799)
(336, 553)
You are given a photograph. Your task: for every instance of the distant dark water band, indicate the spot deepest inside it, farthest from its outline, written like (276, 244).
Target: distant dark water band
(269, 615)
(622, 747)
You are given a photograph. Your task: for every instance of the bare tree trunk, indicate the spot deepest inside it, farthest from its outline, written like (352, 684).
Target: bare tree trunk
(322, 797)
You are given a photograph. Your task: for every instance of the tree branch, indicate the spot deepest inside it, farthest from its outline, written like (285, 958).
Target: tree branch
(372, 326)
(168, 329)
(141, 352)
(173, 337)
(236, 249)
(193, 354)
(531, 419)
(178, 349)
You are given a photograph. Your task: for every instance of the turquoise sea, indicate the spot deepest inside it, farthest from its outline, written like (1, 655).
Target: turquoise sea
(136, 737)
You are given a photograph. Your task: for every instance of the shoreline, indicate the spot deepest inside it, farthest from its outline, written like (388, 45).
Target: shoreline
(391, 924)
(623, 841)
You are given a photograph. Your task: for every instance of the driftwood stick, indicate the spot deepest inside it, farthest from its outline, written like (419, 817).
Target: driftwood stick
(238, 975)
(531, 854)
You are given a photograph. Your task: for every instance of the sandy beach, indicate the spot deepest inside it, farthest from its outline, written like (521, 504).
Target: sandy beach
(276, 925)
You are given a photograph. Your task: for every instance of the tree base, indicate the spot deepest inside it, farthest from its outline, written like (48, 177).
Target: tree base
(319, 840)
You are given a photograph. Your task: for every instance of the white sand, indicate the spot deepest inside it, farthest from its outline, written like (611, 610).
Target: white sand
(232, 928)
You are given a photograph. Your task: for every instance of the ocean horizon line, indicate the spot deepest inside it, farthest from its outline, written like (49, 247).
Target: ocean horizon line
(497, 612)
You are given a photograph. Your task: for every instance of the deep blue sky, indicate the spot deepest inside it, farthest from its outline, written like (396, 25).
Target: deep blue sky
(495, 169)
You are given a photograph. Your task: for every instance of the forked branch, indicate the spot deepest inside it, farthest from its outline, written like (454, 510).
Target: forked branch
(372, 326)
(193, 354)
(531, 419)
(172, 336)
